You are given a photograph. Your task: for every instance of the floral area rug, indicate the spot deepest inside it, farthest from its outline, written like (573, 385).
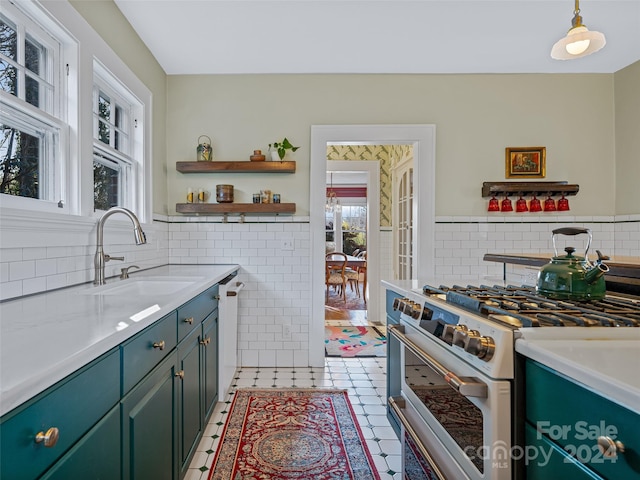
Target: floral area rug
(354, 342)
(302, 434)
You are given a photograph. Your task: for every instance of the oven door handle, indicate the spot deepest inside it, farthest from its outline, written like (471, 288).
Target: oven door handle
(397, 404)
(467, 386)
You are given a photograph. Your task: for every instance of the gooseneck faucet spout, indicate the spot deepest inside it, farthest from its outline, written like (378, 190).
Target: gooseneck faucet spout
(100, 257)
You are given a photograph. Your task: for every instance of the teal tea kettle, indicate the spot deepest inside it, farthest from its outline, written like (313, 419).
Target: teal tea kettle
(571, 277)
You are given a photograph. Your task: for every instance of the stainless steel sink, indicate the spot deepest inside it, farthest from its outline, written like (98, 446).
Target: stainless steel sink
(143, 286)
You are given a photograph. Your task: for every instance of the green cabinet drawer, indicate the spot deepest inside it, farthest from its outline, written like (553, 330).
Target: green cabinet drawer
(192, 313)
(95, 456)
(73, 406)
(573, 416)
(547, 461)
(147, 349)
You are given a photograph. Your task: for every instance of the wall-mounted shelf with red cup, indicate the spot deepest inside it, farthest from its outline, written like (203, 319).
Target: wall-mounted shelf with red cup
(491, 189)
(522, 189)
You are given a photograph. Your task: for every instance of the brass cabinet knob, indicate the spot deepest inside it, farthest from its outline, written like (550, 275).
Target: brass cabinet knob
(159, 345)
(189, 320)
(609, 448)
(48, 438)
(205, 341)
(180, 374)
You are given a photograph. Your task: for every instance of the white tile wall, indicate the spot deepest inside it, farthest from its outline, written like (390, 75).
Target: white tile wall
(51, 258)
(461, 242)
(277, 281)
(278, 286)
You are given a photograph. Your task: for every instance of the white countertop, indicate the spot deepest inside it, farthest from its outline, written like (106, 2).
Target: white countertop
(604, 359)
(45, 337)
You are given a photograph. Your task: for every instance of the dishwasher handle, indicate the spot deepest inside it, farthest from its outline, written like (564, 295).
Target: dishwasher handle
(235, 289)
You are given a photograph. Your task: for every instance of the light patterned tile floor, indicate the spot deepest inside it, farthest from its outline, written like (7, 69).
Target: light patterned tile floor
(363, 378)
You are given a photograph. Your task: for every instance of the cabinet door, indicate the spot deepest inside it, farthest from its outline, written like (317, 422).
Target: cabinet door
(189, 388)
(149, 425)
(95, 456)
(73, 406)
(210, 363)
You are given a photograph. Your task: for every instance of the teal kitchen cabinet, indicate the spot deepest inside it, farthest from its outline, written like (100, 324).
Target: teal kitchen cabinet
(95, 456)
(39, 432)
(198, 389)
(144, 351)
(136, 412)
(150, 425)
(210, 364)
(191, 421)
(572, 417)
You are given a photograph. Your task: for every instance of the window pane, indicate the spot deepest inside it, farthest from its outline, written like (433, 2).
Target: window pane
(19, 163)
(104, 113)
(105, 186)
(33, 55)
(116, 133)
(32, 92)
(8, 78)
(8, 40)
(103, 132)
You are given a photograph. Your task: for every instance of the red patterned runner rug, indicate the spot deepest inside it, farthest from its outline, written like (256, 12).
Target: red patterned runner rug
(303, 434)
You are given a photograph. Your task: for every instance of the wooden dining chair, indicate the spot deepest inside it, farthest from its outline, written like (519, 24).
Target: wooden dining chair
(335, 274)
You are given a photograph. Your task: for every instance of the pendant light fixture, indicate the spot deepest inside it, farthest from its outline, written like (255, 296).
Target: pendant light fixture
(332, 204)
(579, 41)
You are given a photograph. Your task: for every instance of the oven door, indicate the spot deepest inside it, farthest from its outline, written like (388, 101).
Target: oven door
(461, 417)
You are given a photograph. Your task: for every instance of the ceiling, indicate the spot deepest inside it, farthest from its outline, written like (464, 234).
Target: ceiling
(378, 36)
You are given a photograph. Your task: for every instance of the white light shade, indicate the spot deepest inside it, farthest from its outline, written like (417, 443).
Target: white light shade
(579, 42)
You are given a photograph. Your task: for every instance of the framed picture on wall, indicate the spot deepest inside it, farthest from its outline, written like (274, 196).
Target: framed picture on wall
(525, 162)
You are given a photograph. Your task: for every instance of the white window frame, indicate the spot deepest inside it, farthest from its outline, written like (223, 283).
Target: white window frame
(76, 73)
(49, 122)
(129, 159)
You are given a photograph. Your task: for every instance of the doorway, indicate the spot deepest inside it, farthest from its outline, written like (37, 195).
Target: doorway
(361, 236)
(422, 137)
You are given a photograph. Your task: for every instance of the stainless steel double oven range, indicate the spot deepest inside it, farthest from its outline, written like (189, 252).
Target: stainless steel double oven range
(454, 382)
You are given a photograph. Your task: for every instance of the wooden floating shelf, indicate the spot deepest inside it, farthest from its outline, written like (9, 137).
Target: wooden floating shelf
(490, 189)
(240, 167)
(237, 208)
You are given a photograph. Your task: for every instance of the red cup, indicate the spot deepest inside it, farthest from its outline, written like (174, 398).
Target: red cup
(563, 204)
(494, 206)
(506, 205)
(521, 205)
(534, 205)
(549, 205)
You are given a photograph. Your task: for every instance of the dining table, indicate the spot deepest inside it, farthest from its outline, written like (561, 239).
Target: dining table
(352, 261)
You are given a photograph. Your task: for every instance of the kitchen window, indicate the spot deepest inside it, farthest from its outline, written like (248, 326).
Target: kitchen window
(33, 126)
(117, 115)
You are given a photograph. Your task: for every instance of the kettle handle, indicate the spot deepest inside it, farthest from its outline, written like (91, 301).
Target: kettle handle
(571, 231)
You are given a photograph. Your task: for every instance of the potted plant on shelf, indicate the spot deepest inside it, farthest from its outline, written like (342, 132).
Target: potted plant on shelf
(279, 149)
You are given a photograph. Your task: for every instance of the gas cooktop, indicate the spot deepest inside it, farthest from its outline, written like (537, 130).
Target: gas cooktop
(520, 306)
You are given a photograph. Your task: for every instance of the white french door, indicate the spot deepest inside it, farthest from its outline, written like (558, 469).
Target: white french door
(402, 201)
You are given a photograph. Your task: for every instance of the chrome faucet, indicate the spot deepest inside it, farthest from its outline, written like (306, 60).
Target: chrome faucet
(101, 258)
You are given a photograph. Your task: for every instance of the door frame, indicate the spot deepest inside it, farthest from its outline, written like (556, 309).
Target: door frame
(423, 138)
(372, 169)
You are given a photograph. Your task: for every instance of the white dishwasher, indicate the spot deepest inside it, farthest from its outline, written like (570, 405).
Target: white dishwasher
(227, 333)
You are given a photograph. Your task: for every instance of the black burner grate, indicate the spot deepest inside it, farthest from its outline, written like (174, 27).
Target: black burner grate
(520, 306)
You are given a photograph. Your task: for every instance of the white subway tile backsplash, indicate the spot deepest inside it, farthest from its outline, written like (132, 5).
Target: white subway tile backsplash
(277, 282)
(22, 270)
